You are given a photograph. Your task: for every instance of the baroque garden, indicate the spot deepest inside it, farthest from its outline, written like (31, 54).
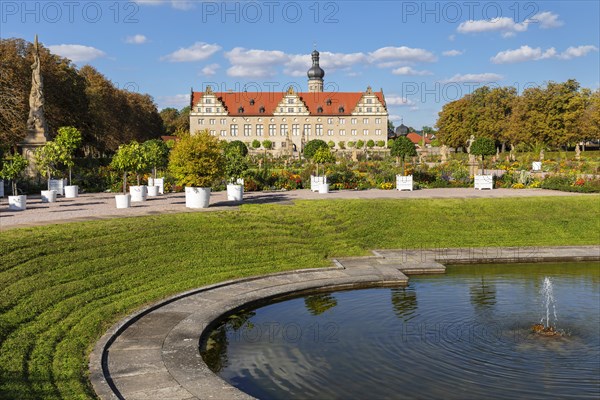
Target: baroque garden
(64, 285)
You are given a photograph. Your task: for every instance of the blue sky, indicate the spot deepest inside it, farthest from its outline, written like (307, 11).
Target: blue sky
(423, 54)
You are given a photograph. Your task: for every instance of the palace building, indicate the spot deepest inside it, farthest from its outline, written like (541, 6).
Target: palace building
(290, 119)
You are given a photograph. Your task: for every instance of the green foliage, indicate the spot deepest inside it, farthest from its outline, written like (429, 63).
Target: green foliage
(331, 144)
(156, 154)
(196, 160)
(129, 158)
(12, 169)
(370, 143)
(342, 145)
(237, 144)
(68, 140)
(236, 163)
(312, 146)
(483, 147)
(402, 147)
(351, 144)
(381, 143)
(267, 144)
(256, 144)
(323, 155)
(47, 159)
(360, 144)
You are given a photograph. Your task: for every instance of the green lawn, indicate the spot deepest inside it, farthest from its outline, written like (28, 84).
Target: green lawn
(62, 286)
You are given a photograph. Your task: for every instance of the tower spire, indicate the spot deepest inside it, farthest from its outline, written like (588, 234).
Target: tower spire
(315, 74)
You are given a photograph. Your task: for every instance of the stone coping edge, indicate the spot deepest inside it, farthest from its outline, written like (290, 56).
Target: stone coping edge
(98, 359)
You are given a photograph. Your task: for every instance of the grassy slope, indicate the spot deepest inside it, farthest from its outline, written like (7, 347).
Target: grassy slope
(62, 286)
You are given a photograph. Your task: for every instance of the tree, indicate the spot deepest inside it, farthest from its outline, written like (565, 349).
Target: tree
(129, 157)
(12, 169)
(312, 146)
(370, 143)
(342, 145)
(67, 141)
(196, 160)
(322, 156)
(267, 144)
(47, 159)
(360, 144)
(381, 143)
(483, 147)
(401, 148)
(255, 144)
(235, 164)
(351, 144)
(331, 144)
(589, 121)
(237, 144)
(156, 153)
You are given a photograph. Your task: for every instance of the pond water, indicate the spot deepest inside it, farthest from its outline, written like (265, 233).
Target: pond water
(462, 335)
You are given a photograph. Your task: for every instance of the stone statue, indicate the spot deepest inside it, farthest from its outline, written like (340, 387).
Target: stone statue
(577, 152)
(444, 153)
(37, 130)
(542, 155)
(469, 143)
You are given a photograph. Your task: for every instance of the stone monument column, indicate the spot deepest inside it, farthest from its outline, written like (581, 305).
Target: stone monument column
(37, 129)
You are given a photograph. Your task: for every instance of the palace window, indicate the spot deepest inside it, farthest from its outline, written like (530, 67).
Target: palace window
(369, 101)
(261, 110)
(377, 121)
(353, 132)
(212, 121)
(366, 132)
(213, 132)
(342, 132)
(259, 129)
(233, 130)
(251, 102)
(290, 109)
(329, 132)
(378, 132)
(223, 132)
(200, 121)
(330, 121)
(208, 101)
(296, 129)
(365, 121)
(369, 109)
(223, 121)
(208, 109)
(247, 129)
(342, 121)
(319, 130)
(307, 129)
(283, 129)
(353, 121)
(272, 129)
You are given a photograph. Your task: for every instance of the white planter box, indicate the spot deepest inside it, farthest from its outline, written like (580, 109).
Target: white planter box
(536, 166)
(324, 188)
(48, 196)
(138, 193)
(17, 203)
(160, 182)
(1, 188)
(404, 182)
(152, 191)
(316, 181)
(58, 185)
(123, 200)
(235, 192)
(71, 191)
(197, 197)
(484, 182)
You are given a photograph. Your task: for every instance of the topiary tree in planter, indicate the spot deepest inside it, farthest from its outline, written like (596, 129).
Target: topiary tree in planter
(267, 144)
(401, 148)
(331, 144)
(156, 154)
(129, 157)
(322, 156)
(47, 159)
(239, 145)
(483, 147)
(351, 144)
(67, 141)
(311, 147)
(196, 161)
(370, 143)
(381, 143)
(360, 144)
(236, 164)
(256, 144)
(12, 169)
(342, 145)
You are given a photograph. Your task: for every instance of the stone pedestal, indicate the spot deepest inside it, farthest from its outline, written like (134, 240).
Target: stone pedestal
(28, 149)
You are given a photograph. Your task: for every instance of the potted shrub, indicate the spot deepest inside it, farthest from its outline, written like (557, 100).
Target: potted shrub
(310, 149)
(196, 162)
(401, 148)
(46, 159)
(67, 141)
(322, 156)
(12, 169)
(235, 167)
(483, 147)
(156, 153)
(125, 159)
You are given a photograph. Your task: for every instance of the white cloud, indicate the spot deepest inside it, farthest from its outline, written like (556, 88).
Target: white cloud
(526, 53)
(177, 101)
(395, 100)
(245, 71)
(402, 54)
(579, 51)
(410, 71)
(507, 26)
(136, 39)
(474, 78)
(197, 52)
(453, 53)
(452, 37)
(546, 19)
(254, 63)
(210, 69)
(77, 52)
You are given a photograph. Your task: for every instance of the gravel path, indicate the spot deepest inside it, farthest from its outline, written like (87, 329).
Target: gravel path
(102, 205)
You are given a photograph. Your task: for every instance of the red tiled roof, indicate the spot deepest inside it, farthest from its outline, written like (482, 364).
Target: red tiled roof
(417, 139)
(269, 100)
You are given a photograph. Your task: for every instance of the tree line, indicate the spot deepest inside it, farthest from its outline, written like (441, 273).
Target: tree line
(83, 98)
(555, 115)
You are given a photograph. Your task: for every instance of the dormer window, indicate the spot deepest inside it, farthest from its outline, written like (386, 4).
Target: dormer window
(251, 102)
(241, 110)
(261, 110)
(320, 110)
(341, 109)
(328, 102)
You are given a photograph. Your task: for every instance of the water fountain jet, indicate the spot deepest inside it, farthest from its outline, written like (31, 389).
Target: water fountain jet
(545, 327)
